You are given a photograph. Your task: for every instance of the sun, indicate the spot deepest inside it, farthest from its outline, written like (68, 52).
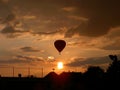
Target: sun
(60, 65)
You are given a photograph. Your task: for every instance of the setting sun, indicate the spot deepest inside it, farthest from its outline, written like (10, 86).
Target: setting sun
(60, 65)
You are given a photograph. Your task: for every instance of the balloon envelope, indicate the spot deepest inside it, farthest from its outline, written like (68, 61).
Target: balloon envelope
(59, 45)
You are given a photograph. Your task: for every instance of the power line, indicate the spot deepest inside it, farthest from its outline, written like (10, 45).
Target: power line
(15, 69)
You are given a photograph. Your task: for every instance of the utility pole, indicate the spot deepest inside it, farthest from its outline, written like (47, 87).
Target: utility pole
(28, 71)
(13, 71)
(42, 72)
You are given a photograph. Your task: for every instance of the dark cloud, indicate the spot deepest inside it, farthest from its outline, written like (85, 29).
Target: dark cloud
(12, 61)
(89, 61)
(21, 59)
(114, 46)
(11, 31)
(6, 13)
(49, 33)
(9, 18)
(46, 7)
(29, 49)
(101, 15)
(114, 33)
(112, 39)
(45, 10)
(92, 29)
(28, 58)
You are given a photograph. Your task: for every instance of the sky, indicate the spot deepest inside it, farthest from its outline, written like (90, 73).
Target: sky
(29, 28)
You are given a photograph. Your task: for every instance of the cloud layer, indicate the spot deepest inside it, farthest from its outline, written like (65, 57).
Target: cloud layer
(82, 17)
(90, 28)
(29, 49)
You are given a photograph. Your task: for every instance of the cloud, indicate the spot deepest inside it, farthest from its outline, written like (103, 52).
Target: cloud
(6, 13)
(12, 61)
(45, 11)
(82, 19)
(113, 46)
(11, 31)
(51, 15)
(114, 32)
(102, 15)
(29, 49)
(79, 30)
(69, 9)
(78, 62)
(29, 58)
(22, 59)
(60, 31)
(83, 42)
(5, 1)
(9, 18)
(112, 39)
(108, 42)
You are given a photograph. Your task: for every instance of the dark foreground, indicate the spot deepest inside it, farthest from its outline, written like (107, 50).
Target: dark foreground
(93, 79)
(65, 81)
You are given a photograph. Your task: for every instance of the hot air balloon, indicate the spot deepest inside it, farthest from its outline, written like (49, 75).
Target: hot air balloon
(59, 45)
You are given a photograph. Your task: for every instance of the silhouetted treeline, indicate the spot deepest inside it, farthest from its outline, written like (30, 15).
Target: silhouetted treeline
(95, 78)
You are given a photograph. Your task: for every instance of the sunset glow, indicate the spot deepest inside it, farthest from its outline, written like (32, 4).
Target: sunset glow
(29, 29)
(60, 65)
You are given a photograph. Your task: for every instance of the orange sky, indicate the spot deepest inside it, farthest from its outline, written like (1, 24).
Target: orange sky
(28, 29)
